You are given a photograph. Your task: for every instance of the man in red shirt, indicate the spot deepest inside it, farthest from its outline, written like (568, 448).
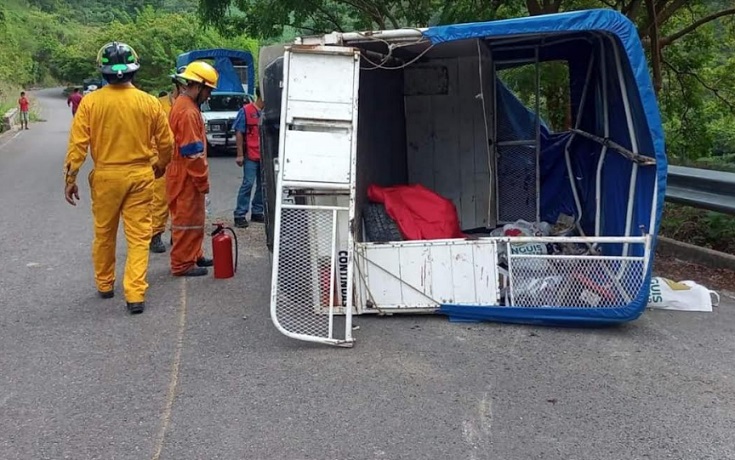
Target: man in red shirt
(24, 105)
(73, 101)
(247, 125)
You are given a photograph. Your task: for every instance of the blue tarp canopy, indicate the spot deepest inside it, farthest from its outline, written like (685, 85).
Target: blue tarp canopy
(229, 80)
(612, 97)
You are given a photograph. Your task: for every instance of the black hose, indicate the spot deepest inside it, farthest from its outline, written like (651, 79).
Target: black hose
(237, 252)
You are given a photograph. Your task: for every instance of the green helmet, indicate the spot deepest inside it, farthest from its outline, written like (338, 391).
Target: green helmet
(118, 60)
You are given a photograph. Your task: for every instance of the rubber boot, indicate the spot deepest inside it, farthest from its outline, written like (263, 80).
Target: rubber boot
(195, 271)
(157, 245)
(136, 308)
(205, 262)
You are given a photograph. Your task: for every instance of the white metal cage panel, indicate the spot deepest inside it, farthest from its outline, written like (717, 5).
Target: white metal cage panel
(427, 274)
(575, 281)
(314, 78)
(320, 114)
(308, 278)
(312, 270)
(318, 156)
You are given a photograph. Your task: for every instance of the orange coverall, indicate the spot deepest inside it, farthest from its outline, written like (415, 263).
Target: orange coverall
(187, 183)
(117, 124)
(160, 203)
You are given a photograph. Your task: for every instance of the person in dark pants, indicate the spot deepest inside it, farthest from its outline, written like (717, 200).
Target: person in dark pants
(73, 101)
(247, 134)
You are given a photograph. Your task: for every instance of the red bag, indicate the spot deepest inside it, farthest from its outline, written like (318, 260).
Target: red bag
(420, 213)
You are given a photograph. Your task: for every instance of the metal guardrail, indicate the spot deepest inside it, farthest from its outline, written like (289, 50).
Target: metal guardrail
(701, 188)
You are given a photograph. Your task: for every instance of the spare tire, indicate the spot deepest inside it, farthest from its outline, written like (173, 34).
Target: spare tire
(379, 226)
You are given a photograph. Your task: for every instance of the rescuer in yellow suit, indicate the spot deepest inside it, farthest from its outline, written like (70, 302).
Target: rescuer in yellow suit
(116, 123)
(159, 207)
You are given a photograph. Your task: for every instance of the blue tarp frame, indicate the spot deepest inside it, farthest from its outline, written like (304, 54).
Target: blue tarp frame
(229, 81)
(612, 97)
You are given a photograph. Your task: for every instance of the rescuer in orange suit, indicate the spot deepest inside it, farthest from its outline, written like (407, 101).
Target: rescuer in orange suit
(187, 178)
(116, 123)
(160, 202)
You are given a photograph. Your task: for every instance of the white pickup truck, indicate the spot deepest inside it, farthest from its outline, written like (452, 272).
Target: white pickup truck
(219, 114)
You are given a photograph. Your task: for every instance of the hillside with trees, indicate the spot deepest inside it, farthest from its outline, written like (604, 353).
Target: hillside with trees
(52, 42)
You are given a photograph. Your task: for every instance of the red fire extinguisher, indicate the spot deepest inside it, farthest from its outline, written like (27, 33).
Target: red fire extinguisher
(224, 266)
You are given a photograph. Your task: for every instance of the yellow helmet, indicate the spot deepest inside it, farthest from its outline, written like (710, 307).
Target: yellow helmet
(200, 72)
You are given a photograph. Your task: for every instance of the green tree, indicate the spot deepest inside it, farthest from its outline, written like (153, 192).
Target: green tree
(690, 45)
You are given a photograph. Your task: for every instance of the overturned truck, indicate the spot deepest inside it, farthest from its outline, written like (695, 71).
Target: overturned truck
(372, 139)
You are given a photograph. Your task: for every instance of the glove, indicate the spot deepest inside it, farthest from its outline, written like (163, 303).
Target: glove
(158, 172)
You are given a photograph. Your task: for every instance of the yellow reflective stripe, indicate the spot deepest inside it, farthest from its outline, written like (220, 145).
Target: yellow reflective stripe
(187, 227)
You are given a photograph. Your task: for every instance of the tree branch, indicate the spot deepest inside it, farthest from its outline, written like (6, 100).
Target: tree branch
(327, 14)
(675, 36)
(390, 16)
(665, 11)
(534, 9)
(655, 47)
(714, 91)
(369, 10)
(631, 10)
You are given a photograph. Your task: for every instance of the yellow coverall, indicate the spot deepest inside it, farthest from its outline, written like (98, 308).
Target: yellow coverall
(116, 123)
(160, 203)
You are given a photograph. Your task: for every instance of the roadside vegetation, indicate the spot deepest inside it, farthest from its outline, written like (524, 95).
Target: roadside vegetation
(55, 42)
(690, 45)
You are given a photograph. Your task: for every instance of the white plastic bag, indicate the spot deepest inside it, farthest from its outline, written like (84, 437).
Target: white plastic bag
(683, 296)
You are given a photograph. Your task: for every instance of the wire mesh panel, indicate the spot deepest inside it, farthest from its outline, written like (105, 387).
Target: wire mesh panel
(517, 129)
(574, 281)
(304, 282)
(517, 185)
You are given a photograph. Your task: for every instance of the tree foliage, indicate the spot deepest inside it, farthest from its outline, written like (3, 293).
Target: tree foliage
(46, 40)
(690, 45)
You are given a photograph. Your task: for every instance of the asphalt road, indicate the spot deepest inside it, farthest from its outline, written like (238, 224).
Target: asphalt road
(203, 374)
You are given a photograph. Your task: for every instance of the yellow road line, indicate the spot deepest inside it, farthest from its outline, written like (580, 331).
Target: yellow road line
(174, 380)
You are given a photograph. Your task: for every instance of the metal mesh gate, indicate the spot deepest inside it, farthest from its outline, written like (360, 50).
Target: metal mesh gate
(576, 281)
(312, 249)
(312, 272)
(517, 183)
(306, 242)
(517, 147)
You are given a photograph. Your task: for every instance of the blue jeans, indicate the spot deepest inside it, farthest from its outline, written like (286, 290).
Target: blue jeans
(250, 175)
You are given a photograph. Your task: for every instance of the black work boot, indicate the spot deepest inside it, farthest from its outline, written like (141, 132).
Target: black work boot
(194, 271)
(157, 245)
(135, 308)
(260, 218)
(204, 262)
(241, 222)
(106, 294)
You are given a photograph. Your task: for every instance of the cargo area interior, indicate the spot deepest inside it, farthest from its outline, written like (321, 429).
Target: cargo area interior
(426, 124)
(460, 118)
